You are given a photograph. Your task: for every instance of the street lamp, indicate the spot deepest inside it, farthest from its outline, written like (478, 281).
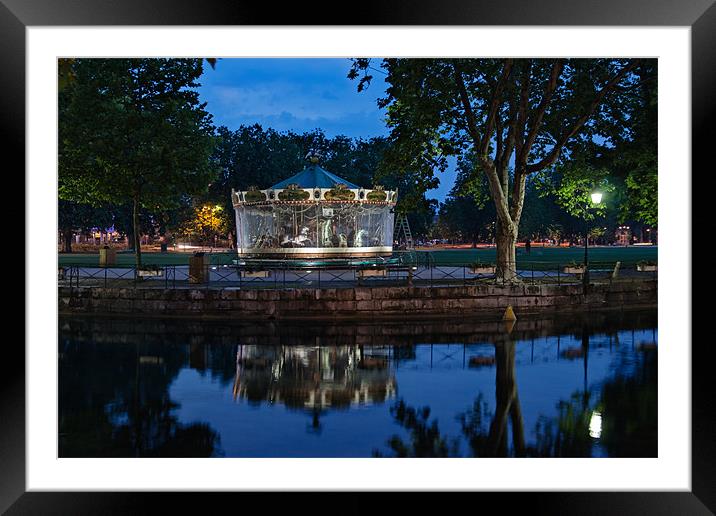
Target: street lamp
(596, 199)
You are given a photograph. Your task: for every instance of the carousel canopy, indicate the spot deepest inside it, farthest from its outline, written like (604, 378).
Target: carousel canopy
(313, 176)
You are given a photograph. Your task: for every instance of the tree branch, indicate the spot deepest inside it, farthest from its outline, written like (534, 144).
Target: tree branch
(495, 102)
(557, 149)
(541, 108)
(465, 100)
(522, 112)
(511, 132)
(486, 163)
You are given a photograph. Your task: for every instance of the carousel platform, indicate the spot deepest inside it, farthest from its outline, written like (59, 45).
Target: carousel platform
(327, 263)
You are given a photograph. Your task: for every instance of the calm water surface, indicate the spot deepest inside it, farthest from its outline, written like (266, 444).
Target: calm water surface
(565, 387)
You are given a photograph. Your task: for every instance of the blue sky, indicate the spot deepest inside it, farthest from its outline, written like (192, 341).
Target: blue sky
(298, 94)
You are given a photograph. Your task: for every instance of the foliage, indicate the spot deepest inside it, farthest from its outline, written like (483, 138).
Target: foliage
(466, 212)
(511, 118)
(208, 221)
(82, 217)
(74, 216)
(376, 195)
(254, 156)
(294, 195)
(339, 194)
(642, 200)
(572, 189)
(132, 131)
(631, 153)
(465, 220)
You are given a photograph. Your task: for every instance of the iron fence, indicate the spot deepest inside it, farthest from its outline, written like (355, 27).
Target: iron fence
(285, 275)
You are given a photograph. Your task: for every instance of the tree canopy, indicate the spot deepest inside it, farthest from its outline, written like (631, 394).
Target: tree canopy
(255, 156)
(132, 131)
(511, 117)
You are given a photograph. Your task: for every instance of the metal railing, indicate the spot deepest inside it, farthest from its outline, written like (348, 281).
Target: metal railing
(283, 275)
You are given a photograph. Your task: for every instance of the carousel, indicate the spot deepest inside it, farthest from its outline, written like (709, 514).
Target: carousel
(314, 214)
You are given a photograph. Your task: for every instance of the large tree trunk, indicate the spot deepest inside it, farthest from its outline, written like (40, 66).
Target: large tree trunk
(506, 238)
(129, 224)
(67, 236)
(163, 233)
(136, 230)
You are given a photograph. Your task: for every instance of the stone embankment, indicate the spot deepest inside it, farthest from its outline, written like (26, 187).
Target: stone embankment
(360, 302)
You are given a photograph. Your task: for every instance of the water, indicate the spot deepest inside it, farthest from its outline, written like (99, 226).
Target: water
(566, 387)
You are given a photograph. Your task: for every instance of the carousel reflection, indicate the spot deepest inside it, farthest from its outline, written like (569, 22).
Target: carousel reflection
(313, 378)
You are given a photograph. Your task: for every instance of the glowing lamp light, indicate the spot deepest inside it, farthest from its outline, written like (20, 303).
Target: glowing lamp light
(595, 425)
(597, 197)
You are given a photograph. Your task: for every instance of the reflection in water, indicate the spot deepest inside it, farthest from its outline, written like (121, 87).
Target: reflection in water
(312, 378)
(546, 388)
(627, 402)
(114, 403)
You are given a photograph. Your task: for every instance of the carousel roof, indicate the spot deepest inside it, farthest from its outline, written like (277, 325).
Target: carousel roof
(314, 176)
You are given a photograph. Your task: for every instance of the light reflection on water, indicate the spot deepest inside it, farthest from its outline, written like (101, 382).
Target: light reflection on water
(559, 387)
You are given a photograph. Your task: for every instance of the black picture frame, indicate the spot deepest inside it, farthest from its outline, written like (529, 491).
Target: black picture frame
(17, 15)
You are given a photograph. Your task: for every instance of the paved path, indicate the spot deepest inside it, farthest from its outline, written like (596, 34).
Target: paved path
(178, 276)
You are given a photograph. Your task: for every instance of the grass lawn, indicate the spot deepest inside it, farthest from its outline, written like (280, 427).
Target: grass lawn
(148, 258)
(545, 256)
(539, 257)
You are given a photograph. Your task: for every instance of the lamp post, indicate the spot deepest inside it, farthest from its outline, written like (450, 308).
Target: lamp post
(596, 199)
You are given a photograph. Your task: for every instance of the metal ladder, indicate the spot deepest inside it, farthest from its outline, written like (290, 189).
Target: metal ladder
(401, 225)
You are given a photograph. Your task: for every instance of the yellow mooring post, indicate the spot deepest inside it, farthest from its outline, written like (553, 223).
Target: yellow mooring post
(509, 314)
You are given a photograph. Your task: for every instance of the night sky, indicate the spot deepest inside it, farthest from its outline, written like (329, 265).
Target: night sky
(298, 94)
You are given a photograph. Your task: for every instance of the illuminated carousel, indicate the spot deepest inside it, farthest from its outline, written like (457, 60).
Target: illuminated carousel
(314, 215)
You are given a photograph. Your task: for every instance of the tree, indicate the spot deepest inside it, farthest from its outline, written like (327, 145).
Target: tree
(132, 131)
(254, 156)
(517, 117)
(208, 222)
(79, 217)
(542, 217)
(466, 211)
(631, 151)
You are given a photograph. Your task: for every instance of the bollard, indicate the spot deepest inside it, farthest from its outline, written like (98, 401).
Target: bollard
(107, 256)
(199, 268)
(615, 273)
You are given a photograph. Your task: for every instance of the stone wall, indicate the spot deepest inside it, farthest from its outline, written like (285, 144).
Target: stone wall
(373, 332)
(361, 302)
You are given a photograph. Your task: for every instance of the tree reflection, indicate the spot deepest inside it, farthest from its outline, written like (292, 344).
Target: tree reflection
(127, 411)
(491, 441)
(116, 389)
(484, 441)
(425, 438)
(622, 422)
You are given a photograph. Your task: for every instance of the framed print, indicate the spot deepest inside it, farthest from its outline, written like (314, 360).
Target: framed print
(413, 250)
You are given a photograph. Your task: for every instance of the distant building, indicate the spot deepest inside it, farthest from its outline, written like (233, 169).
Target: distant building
(623, 235)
